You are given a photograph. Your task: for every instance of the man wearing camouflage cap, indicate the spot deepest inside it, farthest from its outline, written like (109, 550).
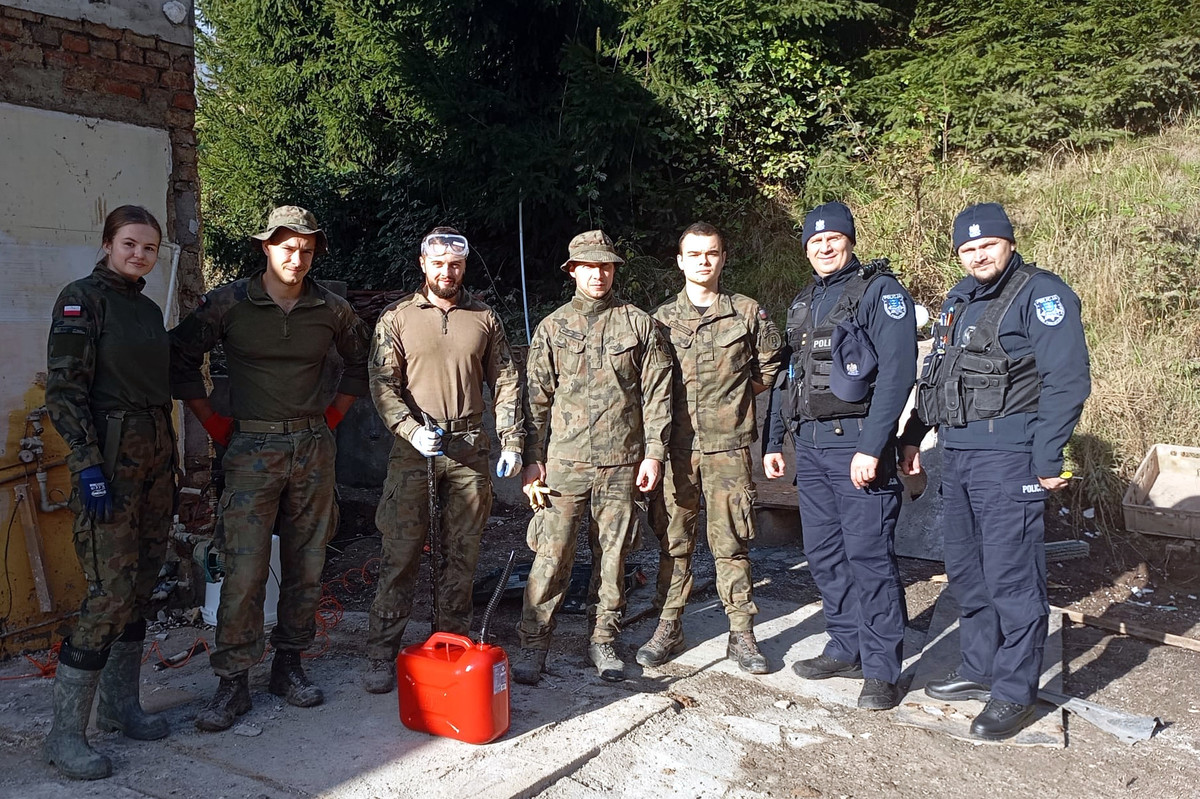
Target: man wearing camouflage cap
(432, 352)
(723, 346)
(599, 400)
(277, 328)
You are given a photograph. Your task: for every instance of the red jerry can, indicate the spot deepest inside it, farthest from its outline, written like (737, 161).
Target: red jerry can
(454, 687)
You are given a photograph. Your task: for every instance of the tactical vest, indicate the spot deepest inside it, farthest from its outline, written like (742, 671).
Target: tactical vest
(977, 379)
(809, 396)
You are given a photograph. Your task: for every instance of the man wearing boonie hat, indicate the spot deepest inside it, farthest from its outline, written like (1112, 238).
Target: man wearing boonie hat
(599, 398)
(1004, 385)
(431, 355)
(277, 328)
(852, 353)
(723, 347)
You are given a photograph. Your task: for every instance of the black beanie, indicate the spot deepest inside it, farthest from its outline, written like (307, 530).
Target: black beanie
(985, 220)
(834, 216)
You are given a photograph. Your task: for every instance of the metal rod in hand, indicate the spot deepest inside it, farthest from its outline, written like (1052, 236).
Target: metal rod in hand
(435, 531)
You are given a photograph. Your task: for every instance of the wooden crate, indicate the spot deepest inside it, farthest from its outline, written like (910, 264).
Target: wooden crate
(1164, 497)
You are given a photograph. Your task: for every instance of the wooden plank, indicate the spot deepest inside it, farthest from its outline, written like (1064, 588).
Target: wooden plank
(33, 547)
(1146, 633)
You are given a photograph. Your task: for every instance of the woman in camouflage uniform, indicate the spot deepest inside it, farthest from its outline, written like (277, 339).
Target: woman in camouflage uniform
(108, 396)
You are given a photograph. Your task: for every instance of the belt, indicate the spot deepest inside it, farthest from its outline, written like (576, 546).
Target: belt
(464, 425)
(285, 426)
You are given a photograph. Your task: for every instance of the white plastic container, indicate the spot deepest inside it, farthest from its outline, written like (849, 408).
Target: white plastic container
(212, 593)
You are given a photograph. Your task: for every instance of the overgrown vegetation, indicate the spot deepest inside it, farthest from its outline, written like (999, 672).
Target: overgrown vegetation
(386, 117)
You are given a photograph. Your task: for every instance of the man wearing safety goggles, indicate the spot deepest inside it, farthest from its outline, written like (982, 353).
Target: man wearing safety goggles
(432, 352)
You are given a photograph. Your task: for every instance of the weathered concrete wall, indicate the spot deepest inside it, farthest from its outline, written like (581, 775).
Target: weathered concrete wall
(96, 110)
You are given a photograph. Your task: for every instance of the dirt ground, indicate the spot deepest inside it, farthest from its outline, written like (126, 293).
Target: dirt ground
(1130, 578)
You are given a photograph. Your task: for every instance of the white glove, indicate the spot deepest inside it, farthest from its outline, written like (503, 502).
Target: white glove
(509, 464)
(427, 442)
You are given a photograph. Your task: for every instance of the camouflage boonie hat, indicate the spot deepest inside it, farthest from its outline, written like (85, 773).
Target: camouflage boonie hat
(296, 219)
(591, 247)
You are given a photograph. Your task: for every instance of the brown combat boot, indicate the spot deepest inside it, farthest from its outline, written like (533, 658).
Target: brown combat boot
(743, 650)
(231, 700)
(666, 643)
(380, 676)
(528, 667)
(289, 680)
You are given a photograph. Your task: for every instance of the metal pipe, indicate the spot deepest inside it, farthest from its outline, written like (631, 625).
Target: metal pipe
(24, 475)
(521, 245)
(44, 495)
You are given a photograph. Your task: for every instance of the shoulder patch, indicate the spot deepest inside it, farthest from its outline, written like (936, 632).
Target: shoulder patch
(762, 313)
(72, 310)
(1049, 310)
(893, 305)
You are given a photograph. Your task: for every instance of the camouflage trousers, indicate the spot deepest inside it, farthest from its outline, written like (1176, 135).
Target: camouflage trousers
(121, 558)
(723, 480)
(464, 494)
(269, 477)
(613, 529)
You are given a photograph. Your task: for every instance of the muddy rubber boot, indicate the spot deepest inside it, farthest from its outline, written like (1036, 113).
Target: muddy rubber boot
(289, 680)
(380, 676)
(743, 650)
(528, 667)
(604, 657)
(666, 643)
(66, 746)
(231, 700)
(120, 707)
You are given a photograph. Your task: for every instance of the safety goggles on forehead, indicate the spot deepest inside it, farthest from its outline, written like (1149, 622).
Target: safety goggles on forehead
(444, 244)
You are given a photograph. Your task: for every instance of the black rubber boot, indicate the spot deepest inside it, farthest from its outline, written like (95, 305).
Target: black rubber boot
(66, 746)
(289, 680)
(120, 707)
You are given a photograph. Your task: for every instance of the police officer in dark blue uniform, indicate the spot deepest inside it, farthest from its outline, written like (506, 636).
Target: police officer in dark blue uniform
(851, 361)
(1005, 385)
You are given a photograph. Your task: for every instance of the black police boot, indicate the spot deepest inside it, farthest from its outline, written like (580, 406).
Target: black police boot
(289, 680)
(954, 688)
(878, 695)
(823, 667)
(1000, 720)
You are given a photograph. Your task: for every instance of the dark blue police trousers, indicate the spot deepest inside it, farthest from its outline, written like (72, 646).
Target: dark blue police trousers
(995, 550)
(848, 538)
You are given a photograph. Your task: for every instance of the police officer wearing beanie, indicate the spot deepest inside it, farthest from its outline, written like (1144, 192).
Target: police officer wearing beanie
(851, 360)
(1005, 385)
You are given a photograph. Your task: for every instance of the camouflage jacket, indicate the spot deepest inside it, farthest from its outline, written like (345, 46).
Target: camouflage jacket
(426, 360)
(108, 351)
(719, 359)
(275, 359)
(599, 385)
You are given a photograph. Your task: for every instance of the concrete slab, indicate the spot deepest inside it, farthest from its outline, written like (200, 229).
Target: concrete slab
(942, 655)
(353, 745)
(785, 634)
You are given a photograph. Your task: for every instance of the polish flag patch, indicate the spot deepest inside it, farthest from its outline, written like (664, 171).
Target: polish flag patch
(72, 310)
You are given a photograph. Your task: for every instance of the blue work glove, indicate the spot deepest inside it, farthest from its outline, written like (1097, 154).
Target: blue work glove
(93, 489)
(427, 442)
(509, 464)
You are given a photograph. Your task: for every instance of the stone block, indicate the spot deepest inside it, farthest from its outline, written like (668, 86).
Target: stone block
(74, 43)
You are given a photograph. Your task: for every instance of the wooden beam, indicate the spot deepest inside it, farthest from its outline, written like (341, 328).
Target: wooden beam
(1158, 636)
(33, 546)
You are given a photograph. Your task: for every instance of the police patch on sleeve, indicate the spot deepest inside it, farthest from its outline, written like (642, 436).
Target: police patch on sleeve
(1049, 310)
(893, 306)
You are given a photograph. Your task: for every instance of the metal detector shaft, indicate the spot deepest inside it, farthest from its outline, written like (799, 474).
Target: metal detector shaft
(497, 592)
(435, 531)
